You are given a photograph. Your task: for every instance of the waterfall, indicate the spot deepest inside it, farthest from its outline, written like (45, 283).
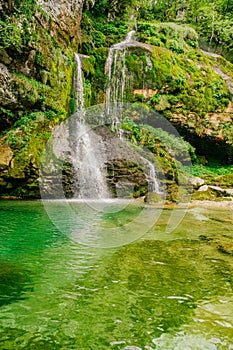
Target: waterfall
(151, 176)
(88, 153)
(78, 85)
(115, 67)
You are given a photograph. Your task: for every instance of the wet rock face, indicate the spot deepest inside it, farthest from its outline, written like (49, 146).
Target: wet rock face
(59, 20)
(126, 178)
(6, 95)
(66, 14)
(33, 74)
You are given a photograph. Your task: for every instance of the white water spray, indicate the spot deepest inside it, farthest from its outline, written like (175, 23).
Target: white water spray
(88, 149)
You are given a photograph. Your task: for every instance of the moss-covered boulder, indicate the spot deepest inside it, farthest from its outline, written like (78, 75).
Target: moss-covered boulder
(152, 198)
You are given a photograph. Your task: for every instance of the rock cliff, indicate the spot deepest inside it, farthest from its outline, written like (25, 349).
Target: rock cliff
(36, 70)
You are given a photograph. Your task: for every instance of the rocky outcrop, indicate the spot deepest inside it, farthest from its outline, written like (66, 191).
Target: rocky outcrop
(6, 156)
(49, 36)
(196, 182)
(36, 77)
(203, 191)
(65, 14)
(126, 179)
(6, 96)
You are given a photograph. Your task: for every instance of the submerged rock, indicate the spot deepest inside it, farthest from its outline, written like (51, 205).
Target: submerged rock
(223, 243)
(165, 278)
(13, 283)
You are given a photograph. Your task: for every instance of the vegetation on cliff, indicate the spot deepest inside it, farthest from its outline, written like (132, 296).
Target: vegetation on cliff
(36, 72)
(191, 88)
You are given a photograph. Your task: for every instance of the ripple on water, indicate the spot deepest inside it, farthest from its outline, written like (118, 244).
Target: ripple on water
(141, 295)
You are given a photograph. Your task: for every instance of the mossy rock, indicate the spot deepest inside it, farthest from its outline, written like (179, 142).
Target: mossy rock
(211, 193)
(152, 198)
(204, 195)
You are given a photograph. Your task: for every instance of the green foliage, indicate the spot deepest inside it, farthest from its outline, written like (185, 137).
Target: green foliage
(155, 99)
(98, 39)
(214, 173)
(110, 9)
(174, 46)
(212, 169)
(101, 33)
(10, 35)
(27, 139)
(176, 38)
(152, 138)
(213, 20)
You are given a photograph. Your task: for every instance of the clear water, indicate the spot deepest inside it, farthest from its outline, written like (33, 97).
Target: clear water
(162, 291)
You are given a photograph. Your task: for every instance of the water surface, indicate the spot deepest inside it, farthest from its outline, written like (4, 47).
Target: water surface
(163, 290)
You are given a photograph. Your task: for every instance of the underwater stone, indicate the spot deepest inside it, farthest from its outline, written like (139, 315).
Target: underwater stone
(13, 282)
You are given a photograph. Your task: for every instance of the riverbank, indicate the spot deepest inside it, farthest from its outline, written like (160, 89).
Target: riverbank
(207, 204)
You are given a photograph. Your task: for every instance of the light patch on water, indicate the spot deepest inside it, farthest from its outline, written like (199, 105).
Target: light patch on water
(183, 342)
(117, 342)
(177, 297)
(198, 214)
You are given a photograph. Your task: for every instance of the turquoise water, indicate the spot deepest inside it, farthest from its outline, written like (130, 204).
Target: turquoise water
(70, 279)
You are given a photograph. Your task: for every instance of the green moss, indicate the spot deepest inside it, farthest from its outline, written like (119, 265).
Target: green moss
(176, 38)
(204, 195)
(95, 77)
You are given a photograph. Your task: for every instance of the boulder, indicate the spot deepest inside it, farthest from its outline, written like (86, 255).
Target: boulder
(229, 191)
(152, 198)
(197, 182)
(206, 192)
(219, 191)
(203, 188)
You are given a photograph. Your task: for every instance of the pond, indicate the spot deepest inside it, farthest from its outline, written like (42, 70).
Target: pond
(80, 275)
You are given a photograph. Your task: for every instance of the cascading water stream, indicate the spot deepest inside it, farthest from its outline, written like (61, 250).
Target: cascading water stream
(116, 69)
(88, 154)
(151, 175)
(78, 86)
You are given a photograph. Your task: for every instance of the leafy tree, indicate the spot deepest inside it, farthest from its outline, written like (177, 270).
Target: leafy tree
(212, 18)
